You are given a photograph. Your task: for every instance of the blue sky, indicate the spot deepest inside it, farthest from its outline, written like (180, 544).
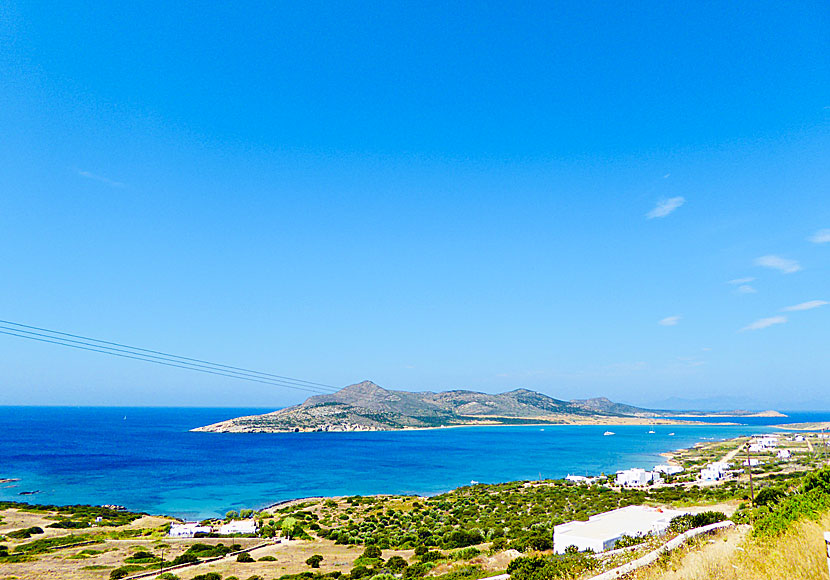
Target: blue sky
(583, 199)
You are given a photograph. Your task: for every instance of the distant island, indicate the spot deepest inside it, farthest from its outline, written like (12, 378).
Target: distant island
(366, 406)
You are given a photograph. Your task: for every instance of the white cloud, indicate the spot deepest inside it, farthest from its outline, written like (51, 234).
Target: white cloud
(746, 280)
(765, 323)
(805, 305)
(670, 320)
(821, 237)
(783, 265)
(665, 206)
(745, 289)
(100, 178)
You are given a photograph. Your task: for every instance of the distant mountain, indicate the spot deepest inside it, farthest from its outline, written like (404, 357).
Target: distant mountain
(366, 406)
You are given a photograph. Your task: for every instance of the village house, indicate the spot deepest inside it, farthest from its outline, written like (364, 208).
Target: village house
(188, 530)
(602, 531)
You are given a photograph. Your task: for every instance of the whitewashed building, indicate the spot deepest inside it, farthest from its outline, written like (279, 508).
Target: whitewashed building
(783, 454)
(602, 531)
(637, 477)
(714, 471)
(238, 527)
(188, 530)
(668, 469)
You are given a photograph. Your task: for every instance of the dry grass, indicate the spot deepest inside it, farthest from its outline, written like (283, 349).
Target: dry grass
(798, 554)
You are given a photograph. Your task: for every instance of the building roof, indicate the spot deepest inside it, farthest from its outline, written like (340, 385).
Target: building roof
(632, 520)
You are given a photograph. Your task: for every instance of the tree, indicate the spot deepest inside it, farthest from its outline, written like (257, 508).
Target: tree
(314, 561)
(245, 557)
(396, 564)
(288, 526)
(372, 552)
(231, 515)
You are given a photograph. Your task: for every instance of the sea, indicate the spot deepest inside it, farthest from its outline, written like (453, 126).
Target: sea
(148, 460)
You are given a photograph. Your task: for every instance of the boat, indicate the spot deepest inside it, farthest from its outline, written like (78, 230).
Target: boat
(609, 433)
(671, 434)
(651, 430)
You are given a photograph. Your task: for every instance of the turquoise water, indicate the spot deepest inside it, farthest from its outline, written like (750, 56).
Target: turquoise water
(148, 460)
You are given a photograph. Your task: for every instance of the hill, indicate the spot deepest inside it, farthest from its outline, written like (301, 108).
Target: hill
(366, 406)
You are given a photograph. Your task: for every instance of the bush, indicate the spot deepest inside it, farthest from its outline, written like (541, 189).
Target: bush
(421, 550)
(185, 558)
(208, 576)
(396, 564)
(314, 561)
(544, 568)
(361, 572)
(25, 533)
(167, 576)
(267, 559)
(415, 571)
(686, 522)
(769, 496)
(432, 556)
(462, 538)
(245, 558)
(372, 552)
(627, 541)
(119, 573)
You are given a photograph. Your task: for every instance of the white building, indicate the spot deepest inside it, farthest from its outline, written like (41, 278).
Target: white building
(799, 438)
(752, 462)
(603, 530)
(238, 527)
(637, 477)
(783, 454)
(188, 530)
(714, 471)
(668, 469)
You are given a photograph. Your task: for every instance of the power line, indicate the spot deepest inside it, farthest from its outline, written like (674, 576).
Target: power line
(184, 358)
(164, 359)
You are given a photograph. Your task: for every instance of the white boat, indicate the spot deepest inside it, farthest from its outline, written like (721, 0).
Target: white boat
(609, 433)
(671, 434)
(651, 430)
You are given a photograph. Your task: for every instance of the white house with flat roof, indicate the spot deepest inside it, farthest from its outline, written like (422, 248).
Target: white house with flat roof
(238, 527)
(637, 477)
(714, 471)
(602, 531)
(668, 469)
(188, 530)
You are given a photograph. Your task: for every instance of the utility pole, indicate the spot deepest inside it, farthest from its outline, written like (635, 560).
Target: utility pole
(749, 468)
(162, 562)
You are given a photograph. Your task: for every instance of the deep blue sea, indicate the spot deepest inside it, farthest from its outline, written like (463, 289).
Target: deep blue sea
(148, 460)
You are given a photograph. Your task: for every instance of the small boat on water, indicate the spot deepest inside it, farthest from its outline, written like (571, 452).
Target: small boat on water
(671, 434)
(651, 431)
(609, 433)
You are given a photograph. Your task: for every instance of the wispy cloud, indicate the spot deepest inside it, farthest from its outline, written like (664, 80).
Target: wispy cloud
(783, 265)
(670, 320)
(805, 305)
(746, 280)
(765, 323)
(745, 289)
(99, 178)
(821, 237)
(665, 206)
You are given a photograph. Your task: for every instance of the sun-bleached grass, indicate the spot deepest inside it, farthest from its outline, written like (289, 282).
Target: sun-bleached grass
(798, 554)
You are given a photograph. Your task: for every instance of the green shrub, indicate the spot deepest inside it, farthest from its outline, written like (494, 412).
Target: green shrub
(432, 556)
(119, 573)
(546, 567)
(267, 559)
(25, 533)
(627, 541)
(396, 564)
(245, 558)
(208, 576)
(314, 561)
(686, 522)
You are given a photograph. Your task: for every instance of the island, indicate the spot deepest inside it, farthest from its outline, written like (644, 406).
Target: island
(366, 406)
